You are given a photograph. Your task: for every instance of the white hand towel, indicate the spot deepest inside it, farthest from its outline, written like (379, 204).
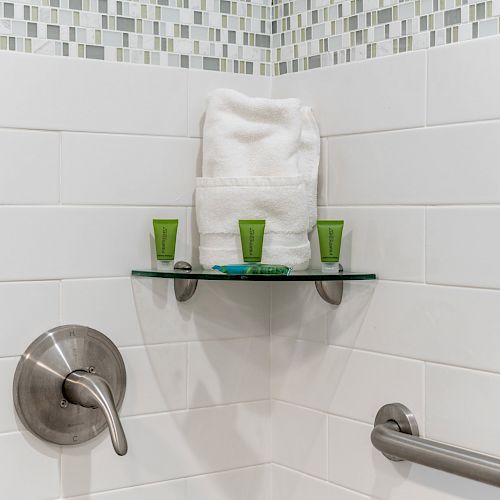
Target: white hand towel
(260, 161)
(247, 136)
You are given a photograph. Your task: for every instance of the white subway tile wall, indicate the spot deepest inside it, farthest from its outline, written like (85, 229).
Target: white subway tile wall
(90, 153)
(412, 169)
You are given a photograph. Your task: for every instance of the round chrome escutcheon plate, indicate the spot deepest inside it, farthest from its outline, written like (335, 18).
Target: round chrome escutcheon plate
(39, 378)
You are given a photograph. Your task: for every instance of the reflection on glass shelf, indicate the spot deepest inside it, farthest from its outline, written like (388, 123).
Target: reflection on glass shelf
(308, 275)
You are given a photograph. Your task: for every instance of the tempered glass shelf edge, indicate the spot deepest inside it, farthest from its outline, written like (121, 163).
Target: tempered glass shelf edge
(308, 275)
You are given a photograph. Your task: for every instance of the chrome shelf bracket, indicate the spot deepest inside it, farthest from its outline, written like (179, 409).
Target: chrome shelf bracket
(184, 288)
(331, 291)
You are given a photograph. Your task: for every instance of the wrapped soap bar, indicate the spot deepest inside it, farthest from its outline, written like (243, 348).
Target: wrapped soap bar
(239, 269)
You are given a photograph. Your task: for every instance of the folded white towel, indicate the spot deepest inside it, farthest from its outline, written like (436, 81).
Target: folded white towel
(260, 161)
(247, 136)
(221, 202)
(281, 201)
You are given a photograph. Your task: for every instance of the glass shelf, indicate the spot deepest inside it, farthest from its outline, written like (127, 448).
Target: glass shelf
(308, 275)
(329, 286)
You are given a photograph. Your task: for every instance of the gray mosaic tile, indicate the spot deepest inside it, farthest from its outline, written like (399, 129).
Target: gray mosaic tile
(53, 32)
(75, 4)
(8, 10)
(211, 63)
(452, 17)
(94, 52)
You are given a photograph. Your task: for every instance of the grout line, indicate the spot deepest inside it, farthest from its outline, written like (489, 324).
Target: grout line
(325, 481)
(327, 447)
(386, 205)
(423, 204)
(61, 485)
(426, 89)
(128, 276)
(60, 293)
(97, 205)
(98, 132)
(188, 79)
(157, 344)
(60, 168)
(271, 396)
(424, 399)
(172, 480)
(188, 349)
(484, 121)
(465, 123)
(425, 245)
(392, 355)
(181, 411)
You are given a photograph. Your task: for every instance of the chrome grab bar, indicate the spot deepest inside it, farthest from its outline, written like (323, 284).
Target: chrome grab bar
(396, 435)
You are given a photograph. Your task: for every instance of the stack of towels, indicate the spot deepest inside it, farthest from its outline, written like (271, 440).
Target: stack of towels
(260, 161)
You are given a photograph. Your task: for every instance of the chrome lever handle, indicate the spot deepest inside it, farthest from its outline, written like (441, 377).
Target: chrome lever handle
(92, 391)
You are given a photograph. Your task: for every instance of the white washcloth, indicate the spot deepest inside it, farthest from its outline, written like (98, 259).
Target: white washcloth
(260, 161)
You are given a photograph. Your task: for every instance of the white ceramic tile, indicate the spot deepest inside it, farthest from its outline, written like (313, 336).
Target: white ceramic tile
(70, 94)
(112, 169)
(356, 464)
(457, 397)
(156, 378)
(298, 311)
(216, 311)
(29, 167)
(370, 169)
(228, 371)
(201, 83)
(168, 490)
(171, 445)
(462, 246)
(7, 412)
(64, 242)
(253, 483)
(387, 241)
(30, 468)
(193, 238)
(463, 82)
(323, 174)
(450, 325)
(382, 94)
(106, 304)
(326, 378)
(300, 439)
(292, 485)
(26, 311)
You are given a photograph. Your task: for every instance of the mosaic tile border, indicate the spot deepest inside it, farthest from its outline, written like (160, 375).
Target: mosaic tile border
(219, 35)
(309, 34)
(257, 37)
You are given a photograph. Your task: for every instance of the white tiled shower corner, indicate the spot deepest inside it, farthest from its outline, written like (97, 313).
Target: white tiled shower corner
(105, 147)
(90, 153)
(412, 167)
